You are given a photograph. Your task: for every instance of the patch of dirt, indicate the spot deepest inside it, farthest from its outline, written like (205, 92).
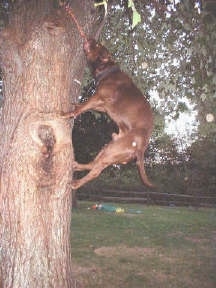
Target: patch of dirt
(176, 234)
(160, 278)
(124, 250)
(170, 260)
(214, 235)
(78, 270)
(196, 240)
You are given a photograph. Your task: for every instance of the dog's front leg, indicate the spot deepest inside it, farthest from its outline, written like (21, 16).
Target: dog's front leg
(70, 114)
(94, 103)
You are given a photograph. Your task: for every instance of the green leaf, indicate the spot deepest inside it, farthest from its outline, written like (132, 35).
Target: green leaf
(136, 18)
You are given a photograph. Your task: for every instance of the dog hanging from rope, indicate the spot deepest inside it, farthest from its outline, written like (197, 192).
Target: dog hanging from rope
(118, 96)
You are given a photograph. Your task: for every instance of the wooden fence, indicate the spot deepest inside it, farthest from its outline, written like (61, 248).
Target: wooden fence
(149, 198)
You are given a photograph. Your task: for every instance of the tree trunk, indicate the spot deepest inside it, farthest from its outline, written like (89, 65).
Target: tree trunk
(40, 58)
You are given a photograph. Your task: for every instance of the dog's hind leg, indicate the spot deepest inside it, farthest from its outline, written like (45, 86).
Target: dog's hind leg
(81, 167)
(120, 151)
(141, 147)
(88, 166)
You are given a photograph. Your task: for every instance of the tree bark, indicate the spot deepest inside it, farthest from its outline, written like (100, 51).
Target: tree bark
(40, 58)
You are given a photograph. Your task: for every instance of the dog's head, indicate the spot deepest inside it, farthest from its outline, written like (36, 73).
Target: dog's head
(96, 53)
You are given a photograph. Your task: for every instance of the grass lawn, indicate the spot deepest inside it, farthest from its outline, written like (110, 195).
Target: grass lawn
(159, 248)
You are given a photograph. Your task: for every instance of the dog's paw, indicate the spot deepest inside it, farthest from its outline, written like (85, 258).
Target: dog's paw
(75, 165)
(67, 115)
(75, 184)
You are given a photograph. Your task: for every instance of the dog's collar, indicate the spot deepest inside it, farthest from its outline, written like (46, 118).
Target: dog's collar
(103, 74)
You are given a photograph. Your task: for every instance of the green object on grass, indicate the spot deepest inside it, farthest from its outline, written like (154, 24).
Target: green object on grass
(112, 208)
(107, 208)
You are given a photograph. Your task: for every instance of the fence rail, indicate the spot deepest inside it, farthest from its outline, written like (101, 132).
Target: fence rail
(149, 198)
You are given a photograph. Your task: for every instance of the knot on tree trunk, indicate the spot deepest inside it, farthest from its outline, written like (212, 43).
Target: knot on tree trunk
(47, 136)
(51, 137)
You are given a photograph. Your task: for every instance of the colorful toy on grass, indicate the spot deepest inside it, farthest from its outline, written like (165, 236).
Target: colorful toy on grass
(112, 208)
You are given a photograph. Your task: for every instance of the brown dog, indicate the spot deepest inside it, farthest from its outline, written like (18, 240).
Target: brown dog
(116, 95)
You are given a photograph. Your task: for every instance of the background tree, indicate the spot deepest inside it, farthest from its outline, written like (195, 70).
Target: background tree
(170, 54)
(41, 61)
(201, 166)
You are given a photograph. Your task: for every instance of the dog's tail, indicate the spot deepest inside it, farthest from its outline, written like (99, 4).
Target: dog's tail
(141, 168)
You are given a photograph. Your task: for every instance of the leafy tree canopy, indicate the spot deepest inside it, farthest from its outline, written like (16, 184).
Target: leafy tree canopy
(170, 54)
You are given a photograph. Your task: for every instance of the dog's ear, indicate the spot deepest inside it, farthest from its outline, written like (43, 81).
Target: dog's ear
(105, 56)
